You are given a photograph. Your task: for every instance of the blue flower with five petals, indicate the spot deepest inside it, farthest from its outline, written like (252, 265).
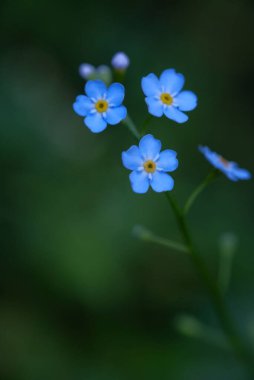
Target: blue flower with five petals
(229, 168)
(150, 166)
(164, 96)
(101, 106)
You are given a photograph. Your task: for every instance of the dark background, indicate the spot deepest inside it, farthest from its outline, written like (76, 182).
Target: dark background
(81, 298)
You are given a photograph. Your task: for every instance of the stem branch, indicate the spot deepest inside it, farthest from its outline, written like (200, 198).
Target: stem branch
(146, 235)
(211, 286)
(210, 178)
(132, 127)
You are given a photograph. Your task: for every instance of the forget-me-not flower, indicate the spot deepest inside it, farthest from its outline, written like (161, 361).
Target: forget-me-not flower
(150, 166)
(229, 168)
(164, 96)
(101, 106)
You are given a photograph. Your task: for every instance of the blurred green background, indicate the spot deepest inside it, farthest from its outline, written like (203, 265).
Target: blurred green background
(81, 298)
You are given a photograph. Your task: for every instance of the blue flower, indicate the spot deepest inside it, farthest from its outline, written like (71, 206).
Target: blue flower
(229, 168)
(101, 106)
(149, 165)
(164, 96)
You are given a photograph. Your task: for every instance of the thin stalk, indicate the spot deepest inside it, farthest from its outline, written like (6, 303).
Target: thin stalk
(210, 178)
(228, 245)
(211, 286)
(132, 127)
(167, 243)
(148, 236)
(190, 326)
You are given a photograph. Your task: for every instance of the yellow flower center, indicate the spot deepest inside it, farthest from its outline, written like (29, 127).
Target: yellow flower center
(101, 105)
(166, 98)
(150, 166)
(224, 161)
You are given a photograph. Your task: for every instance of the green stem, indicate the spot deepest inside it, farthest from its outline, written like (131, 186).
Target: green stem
(228, 245)
(192, 327)
(119, 76)
(210, 178)
(132, 127)
(146, 235)
(218, 302)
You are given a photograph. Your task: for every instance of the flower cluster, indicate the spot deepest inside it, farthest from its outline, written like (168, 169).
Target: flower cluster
(102, 105)
(120, 62)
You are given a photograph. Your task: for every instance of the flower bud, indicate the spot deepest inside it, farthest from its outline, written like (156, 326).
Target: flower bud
(120, 61)
(86, 70)
(104, 73)
(228, 243)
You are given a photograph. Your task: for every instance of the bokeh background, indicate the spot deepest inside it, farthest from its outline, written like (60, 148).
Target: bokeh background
(81, 297)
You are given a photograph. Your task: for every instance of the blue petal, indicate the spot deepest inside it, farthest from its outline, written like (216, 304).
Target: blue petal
(155, 107)
(139, 182)
(204, 149)
(150, 85)
(242, 174)
(186, 100)
(167, 160)
(115, 94)
(95, 89)
(149, 147)
(209, 155)
(212, 157)
(174, 114)
(162, 182)
(115, 115)
(95, 122)
(230, 175)
(132, 158)
(171, 81)
(82, 105)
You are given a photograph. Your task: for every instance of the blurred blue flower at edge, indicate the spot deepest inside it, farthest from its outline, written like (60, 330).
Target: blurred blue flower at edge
(101, 106)
(229, 168)
(149, 165)
(164, 96)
